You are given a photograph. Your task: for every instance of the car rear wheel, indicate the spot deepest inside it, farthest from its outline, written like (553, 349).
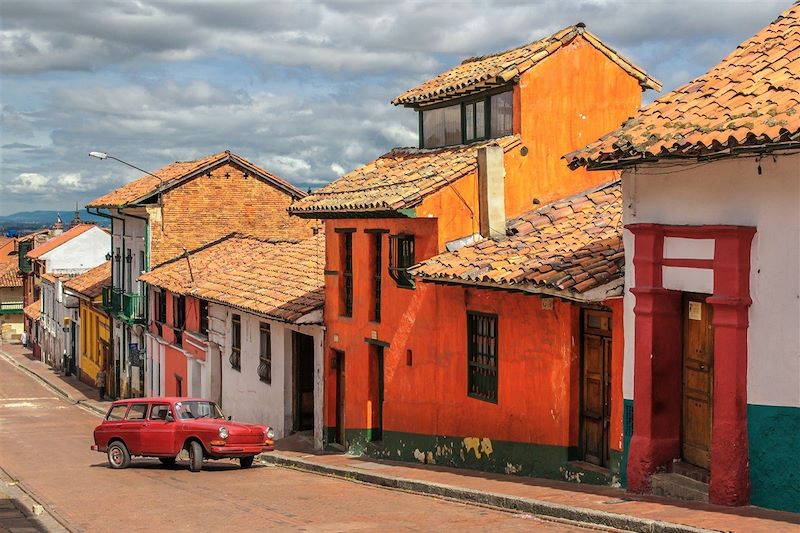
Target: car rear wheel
(118, 455)
(195, 456)
(246, 462)
(167, 461)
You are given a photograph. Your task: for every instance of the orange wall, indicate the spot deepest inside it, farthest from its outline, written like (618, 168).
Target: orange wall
(617, 357)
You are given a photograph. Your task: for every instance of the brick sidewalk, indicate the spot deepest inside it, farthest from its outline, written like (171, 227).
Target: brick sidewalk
(586, 503)
(70, 387)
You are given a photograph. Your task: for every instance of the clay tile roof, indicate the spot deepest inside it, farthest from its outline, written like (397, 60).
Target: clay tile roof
(397, 180)
(497, 69)
(55, 242)
(565, 248)
(750, 99)
(145, 186)
(9, 275)
(32, 310)
(91, 282)
(280, 279)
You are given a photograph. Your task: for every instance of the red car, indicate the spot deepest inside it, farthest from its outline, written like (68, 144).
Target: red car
(163, 427)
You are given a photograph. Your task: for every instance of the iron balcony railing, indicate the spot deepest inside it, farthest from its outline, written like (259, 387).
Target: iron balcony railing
(132, 307)
(112, 299)
(10, 308)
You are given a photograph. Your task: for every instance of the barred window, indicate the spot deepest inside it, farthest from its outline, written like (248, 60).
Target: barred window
(482, 356)
(401, 258)
(203, 316)
(347, 274)
(265, 354)
(376, 277)
(236, 342)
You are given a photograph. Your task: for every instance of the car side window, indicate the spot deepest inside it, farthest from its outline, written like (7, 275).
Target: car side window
(137, 411)
(159, 412)
(117, 412)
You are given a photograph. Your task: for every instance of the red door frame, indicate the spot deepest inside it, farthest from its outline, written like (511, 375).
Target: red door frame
(658, 357)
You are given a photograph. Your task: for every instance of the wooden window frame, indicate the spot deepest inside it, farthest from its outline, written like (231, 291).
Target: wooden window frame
(178, 317)
(346, 289)
(265, 353)
(203, 317)
(377, 275)
(397, 271)
(486, 116)
(482, 361)
(235, 358)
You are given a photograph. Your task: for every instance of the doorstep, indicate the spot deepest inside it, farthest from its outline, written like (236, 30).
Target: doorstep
(589, 504)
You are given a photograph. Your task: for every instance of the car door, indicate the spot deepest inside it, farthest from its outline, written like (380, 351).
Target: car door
(158, 432)
(132, 427)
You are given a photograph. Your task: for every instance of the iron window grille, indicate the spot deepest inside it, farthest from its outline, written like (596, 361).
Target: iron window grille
(204, 317)
(179, 317)
(401, 258)
(347, 274)
(377, 276)
(161, 306)
(265, 354)
(236, 342)
(482, 356)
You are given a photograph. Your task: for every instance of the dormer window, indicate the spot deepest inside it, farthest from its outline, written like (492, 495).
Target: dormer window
(475, 119)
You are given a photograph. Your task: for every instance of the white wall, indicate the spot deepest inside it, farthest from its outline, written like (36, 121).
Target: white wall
(244, 395)
(78, 254)
(732, 192)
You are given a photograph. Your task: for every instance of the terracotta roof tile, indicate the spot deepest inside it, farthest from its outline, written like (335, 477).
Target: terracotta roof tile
(397, 180)
(280, 279)
(567, 247)
(91, 282)
(32, 310)
(750, 99)
(145, 186)
(9, 275)
(55, 242)
(479, 73)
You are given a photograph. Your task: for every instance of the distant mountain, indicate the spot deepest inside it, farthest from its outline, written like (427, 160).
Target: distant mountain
(39, 219)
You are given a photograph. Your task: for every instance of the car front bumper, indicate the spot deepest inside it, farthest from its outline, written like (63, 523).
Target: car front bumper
(240, 450)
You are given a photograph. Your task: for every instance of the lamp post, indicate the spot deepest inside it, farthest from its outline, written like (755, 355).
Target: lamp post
(104, 155)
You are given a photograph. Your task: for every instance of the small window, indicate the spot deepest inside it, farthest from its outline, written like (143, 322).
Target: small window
(501, 114)
(474, 121)
(117, 412)
(441, 126)
(482, 356)
(161, 306)
(265, 354)
(137, 412)
(203, 317)
(178, 311)
(346, 298)
(236, 342)
(401, 258)
(159, 412)
(377, 252)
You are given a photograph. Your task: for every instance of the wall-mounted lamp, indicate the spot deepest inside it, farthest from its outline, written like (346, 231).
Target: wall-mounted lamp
(108, 256)
(129, 257)
(117, 257)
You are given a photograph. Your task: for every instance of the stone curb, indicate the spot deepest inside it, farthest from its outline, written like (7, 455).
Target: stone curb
(51, 386)
(30, 506)
(469, 496)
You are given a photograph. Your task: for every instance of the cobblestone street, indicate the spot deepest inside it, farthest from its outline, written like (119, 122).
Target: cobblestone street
(45, 444)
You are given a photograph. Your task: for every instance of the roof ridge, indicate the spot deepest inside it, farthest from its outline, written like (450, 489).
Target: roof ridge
(544, 40)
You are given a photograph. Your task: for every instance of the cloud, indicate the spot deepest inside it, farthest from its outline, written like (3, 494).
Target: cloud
(26, 182)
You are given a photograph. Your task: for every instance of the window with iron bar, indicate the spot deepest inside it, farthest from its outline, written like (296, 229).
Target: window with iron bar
(203, 316)
(401, 258)
(265, 354)
(482, 356)
(376, 277)
(347, 274)
(236, 342)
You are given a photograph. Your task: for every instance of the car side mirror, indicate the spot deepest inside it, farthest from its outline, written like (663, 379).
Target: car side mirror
(169, 418)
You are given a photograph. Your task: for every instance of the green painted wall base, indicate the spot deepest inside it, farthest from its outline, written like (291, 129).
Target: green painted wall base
(504, 457)
(774, 444)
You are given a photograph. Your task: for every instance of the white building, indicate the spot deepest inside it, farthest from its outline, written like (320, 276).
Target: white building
(711, 189)
(240, 322)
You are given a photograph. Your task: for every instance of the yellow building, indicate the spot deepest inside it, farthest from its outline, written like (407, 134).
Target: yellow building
(94, 334)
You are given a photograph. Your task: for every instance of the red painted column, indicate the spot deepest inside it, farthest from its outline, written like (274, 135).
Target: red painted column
(657, 353)
(730, 477)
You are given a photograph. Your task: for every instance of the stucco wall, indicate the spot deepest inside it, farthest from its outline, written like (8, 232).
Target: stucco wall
(732, 192)
(79, 254)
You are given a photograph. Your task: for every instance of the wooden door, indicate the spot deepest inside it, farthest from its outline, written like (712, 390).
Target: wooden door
(376, 391)
(698, 378)
(303, 347)
(340, 383)
(596, 387)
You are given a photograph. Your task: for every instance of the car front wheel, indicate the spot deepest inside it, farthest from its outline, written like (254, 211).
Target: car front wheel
(246, 462)
(195, 457)
(118, 455)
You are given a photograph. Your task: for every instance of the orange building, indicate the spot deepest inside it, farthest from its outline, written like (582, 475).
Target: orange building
(483, 364)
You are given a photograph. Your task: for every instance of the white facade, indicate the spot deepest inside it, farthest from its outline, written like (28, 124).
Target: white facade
(731, 192)
(78, 254)
(243, 394)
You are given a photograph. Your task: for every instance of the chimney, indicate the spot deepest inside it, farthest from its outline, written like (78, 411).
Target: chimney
(491, 192)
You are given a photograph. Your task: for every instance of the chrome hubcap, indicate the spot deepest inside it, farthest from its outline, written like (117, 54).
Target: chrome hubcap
(116, 456)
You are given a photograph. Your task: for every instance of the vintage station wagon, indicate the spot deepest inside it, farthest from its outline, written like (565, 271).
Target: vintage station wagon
(163, 427)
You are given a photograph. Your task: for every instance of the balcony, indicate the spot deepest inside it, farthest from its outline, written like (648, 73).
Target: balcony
(132, 308)
(10, 308)
(112, 299)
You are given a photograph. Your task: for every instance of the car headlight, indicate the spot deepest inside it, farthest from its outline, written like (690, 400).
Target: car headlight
(223, 432)
(270, 433)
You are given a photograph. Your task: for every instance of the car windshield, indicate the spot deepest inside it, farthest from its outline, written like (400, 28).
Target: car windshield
(198, 409)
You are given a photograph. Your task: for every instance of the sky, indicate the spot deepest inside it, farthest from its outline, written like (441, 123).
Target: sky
(301, 88)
